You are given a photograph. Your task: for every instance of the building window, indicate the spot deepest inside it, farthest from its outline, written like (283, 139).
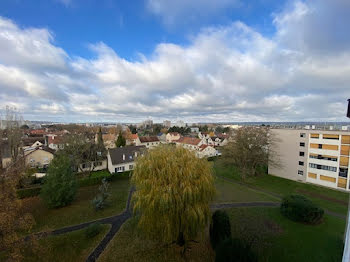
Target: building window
(323, 167)
(343, 172)
(319, 146)
(301, 153)
(300, 172)
(302, 144)
(329, 158)
(120, 169)
(302, 134)
(301, 163)
(131, 167)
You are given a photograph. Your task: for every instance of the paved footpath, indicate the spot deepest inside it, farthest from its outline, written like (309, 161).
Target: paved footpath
(117, 221)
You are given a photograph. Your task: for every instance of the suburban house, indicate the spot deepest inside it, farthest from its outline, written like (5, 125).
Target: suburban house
(219, 140)
(148, 141)
(207, 151)
(131, 139)
(93, 166)
(197, 145)
(172, 136)
(190, 143)
(38, 157)
(122, 159)
(54, 141)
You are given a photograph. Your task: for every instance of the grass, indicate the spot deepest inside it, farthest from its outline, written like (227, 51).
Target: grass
(129, 245)
(330, 199)
(275, 238)
(230, 192)
(81, 209)
(74, 246)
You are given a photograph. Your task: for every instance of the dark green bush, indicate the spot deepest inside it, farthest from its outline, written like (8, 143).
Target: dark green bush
(60, 184)
(28, 192)
(220, 228)
(93, 230)
(299, 208)
(90, 181)
(234, 250)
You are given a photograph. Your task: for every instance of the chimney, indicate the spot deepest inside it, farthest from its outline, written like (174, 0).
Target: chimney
(348, 115)
(123, 156)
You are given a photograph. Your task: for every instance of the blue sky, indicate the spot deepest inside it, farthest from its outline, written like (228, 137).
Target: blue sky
(129, 27)
(198, 60)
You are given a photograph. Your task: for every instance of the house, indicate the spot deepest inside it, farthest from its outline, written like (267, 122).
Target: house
(220, 140)
(55, 142)
(93, 166)
(172, 136)
(190, 143)
(131, 139)
(207, 151)
(148, 141)
(39, 156)
(122, 159)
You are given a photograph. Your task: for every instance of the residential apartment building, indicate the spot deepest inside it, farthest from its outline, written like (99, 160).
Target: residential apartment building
(313, 156)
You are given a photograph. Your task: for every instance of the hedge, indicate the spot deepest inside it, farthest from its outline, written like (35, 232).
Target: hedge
(300, 209)
(28, 192)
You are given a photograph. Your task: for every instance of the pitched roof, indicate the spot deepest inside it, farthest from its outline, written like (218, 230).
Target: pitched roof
(44, 148)
(188, 140)
(147, 139)
(116, 154)
(31, 140)
(55, 140)
(133, 136)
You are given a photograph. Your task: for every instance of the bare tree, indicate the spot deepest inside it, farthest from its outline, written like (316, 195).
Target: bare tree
(250, 148)
(13, 131)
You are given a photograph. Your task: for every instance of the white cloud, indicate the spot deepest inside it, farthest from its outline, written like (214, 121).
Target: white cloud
(227, 73)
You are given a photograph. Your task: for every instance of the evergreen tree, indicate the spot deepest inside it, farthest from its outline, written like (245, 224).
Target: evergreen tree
(120, 140)
(60, 185)
(99, 138)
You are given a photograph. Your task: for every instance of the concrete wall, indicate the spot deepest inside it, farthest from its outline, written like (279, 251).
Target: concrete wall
(287, 149)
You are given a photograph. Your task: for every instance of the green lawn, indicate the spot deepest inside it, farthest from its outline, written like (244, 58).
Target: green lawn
(275, 238)
(74, 246)
(129, 245)
(81, 209)
(231, 192)
(330, 199)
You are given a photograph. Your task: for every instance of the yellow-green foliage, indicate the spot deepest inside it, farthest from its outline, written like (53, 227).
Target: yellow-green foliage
(173, 191)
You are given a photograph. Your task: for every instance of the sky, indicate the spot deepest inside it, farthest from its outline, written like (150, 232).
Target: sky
(190, 60)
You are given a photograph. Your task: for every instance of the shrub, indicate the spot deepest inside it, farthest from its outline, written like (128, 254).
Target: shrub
(93, 230)
(60, 185)
(28, 192)
(220, 228)
(299, 208)
(99, 202)
(234, 250)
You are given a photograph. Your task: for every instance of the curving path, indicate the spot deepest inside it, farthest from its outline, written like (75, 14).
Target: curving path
(118, 220)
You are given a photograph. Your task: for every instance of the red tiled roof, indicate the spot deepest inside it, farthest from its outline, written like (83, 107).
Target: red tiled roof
(133, 136)
(146, 139)
(188, 140)
(55, 140)
(37, 132)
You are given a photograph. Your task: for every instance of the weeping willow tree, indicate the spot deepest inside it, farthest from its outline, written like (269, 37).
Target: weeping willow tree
(173, 191)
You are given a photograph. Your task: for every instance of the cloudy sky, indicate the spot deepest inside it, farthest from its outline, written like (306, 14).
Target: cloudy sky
(198, 60)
